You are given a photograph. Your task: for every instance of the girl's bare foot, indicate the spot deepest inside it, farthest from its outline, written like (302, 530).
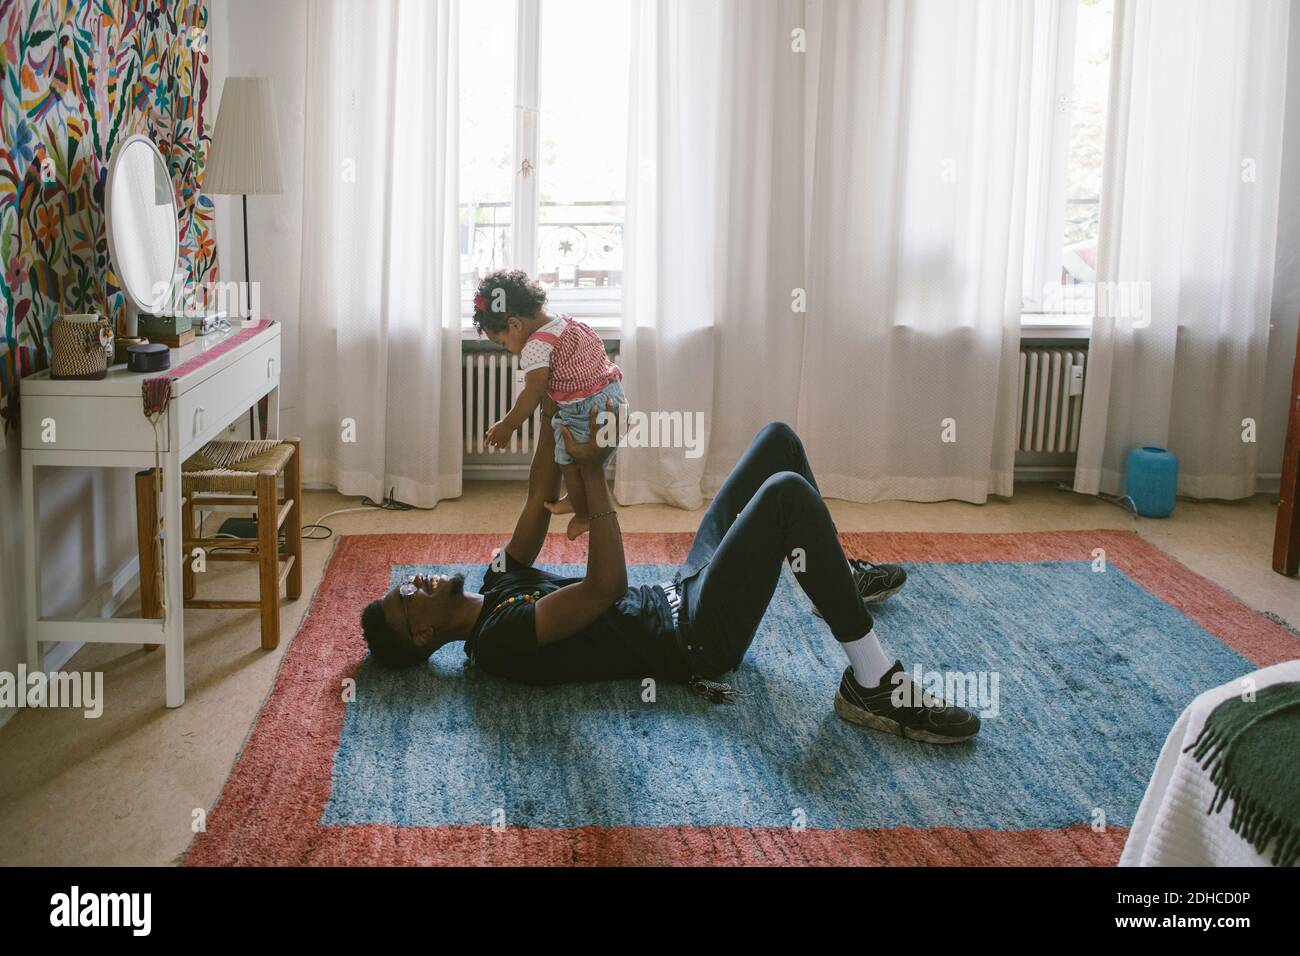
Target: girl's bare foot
(561, 507)
(578, 526)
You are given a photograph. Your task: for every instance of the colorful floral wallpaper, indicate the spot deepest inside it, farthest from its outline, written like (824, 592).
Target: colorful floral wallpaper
(79, 77)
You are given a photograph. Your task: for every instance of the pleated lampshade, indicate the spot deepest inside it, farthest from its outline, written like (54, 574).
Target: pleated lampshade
(245, 154)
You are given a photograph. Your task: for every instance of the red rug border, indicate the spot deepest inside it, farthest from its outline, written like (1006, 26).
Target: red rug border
(270, 806)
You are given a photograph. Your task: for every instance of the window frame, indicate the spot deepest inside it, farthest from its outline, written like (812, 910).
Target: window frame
(1052, 106)
(601, 308)
(1049, 145)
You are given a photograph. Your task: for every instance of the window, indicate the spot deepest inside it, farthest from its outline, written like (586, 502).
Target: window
(544, 94)
(1071, 84)
(487, 166)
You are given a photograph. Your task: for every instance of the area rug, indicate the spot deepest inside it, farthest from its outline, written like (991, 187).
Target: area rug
(1089, 644)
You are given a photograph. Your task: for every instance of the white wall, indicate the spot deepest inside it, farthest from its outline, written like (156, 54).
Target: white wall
(269, 39)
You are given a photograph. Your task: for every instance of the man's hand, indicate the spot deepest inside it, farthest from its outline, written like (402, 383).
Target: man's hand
(499, 434)
(592, 452)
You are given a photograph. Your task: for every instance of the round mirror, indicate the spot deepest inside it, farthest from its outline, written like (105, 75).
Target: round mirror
(142, 232)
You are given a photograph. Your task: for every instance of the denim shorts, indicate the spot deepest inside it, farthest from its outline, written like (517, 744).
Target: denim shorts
(576, 416)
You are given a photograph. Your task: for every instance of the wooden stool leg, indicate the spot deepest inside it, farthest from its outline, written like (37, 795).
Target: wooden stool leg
(146, 525)
(268, 559)
(293, 521)
(187, 560)
(1286, 533)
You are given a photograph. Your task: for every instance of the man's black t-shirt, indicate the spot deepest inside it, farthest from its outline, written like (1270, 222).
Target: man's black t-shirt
(634, 638)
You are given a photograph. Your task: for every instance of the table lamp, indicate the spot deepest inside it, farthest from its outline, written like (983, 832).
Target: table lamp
(245, 154)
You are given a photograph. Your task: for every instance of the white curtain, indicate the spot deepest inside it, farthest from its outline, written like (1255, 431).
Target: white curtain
(666, 350)
(1186, 251)
(760, 248)
(867, 295)
(380, 330)
(910, 364)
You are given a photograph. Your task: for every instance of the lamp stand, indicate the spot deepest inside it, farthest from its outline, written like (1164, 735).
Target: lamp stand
(248, 291)
(248, 278)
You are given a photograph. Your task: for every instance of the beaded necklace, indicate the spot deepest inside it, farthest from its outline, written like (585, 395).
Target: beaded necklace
(519, 599)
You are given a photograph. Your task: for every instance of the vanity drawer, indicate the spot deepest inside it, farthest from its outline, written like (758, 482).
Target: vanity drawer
(104, 424)
(207, 408)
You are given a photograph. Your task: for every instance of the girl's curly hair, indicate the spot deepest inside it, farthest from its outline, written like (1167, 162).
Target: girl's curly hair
(504, 293)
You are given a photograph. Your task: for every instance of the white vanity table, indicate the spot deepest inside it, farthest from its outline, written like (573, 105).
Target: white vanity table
(102, 424)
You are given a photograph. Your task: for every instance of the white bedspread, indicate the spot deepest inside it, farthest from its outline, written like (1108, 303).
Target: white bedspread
(1172, 827)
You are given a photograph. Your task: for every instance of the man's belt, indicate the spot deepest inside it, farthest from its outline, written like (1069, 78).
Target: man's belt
(674, 598)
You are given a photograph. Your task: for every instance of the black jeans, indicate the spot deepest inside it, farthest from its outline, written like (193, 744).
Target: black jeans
(768, 510)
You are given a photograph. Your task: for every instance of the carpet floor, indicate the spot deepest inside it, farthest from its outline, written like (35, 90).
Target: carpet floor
(1083, 646)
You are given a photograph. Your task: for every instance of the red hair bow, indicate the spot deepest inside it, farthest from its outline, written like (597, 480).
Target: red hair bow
(480, 303)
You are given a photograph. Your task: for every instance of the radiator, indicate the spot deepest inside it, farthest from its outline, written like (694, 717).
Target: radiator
(487, 391)
(1051, 399)
(489, 383)
(1048, 413)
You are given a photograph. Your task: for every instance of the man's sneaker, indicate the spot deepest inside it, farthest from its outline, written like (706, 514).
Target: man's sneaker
(875, 582)
(921, 718)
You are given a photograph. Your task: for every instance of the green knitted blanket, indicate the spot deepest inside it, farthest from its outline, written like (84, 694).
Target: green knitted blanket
(1252, 750)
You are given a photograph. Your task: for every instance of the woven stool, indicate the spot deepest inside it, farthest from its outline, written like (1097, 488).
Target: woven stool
(234, 476)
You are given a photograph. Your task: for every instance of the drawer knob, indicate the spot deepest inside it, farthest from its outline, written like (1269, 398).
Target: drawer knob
(270, 368)
(198, 419)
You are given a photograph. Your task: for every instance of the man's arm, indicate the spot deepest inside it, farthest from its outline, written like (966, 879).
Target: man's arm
(543, 486)
(567, 611)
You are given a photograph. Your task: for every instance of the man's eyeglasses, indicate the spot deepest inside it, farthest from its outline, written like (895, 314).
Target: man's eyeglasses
(404, 591)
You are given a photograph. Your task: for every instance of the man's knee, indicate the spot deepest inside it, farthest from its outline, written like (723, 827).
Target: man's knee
(781, 437)
(776, 431)
(788, 485)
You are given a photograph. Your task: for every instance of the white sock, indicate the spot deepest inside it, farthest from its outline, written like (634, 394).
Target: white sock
(868, 659)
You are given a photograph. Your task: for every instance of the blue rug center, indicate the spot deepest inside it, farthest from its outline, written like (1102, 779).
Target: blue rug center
(1092, 672)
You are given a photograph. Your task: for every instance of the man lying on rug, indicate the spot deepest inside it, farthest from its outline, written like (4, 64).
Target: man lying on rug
(532, 626)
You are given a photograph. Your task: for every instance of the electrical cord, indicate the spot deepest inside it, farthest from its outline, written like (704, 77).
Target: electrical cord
(1124, 501)
(390, 503)
(1120, 501)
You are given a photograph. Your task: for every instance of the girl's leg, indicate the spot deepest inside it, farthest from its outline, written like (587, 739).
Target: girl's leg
(576, 495)
(562, 505)
(575, 415)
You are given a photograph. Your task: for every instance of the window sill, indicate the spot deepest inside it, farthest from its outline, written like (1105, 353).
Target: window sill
(1037, 325)
(1055, 325)
(609, 328)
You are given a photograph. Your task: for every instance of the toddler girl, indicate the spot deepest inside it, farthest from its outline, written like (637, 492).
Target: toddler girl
(560, 357)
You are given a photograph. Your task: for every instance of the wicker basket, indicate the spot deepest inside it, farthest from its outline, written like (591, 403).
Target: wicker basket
(80, 348)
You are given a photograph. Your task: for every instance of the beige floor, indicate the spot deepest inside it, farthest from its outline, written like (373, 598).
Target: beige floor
(124, 789)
